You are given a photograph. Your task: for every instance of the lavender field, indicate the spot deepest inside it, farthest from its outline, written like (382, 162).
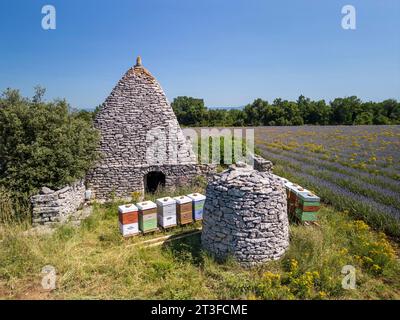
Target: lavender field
(354, 168)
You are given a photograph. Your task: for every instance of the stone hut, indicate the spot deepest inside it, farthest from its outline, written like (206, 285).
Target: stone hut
(142, 145)
(245, 216)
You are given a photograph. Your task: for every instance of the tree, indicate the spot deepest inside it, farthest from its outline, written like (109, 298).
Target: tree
(43, 144)
(256, 112)
(345, 110)
(313, 112)
(391, 109)
(189, 111)
(364, 118)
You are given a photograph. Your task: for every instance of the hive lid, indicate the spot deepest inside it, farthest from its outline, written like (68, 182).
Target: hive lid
(146, 205)
(309, 196)
(182, 199)
(127, 208)
(292, 186)
(165, 201)
(300, 190)
(196, 196)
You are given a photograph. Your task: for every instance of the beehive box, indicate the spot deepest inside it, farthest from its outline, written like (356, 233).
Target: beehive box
(147, 216)
(308, 206)
(184, 209)
(197, 205)
(129, 230)
(166, 212)
(128, 220)
(301, 203)
(292, 191)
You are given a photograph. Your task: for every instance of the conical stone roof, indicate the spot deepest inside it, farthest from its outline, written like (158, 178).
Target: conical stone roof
(138, 126)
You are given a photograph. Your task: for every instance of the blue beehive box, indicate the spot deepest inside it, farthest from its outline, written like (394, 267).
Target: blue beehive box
(198, 201)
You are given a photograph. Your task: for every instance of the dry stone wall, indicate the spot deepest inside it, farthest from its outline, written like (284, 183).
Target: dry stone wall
(262, 164)
(245, 216)
(50, 207)
(139, 133)
(122, 181)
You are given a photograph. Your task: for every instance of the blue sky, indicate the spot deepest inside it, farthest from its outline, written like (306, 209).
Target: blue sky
(227, 52)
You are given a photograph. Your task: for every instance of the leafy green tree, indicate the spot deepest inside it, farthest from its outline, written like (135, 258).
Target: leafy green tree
(189, 111)
(216, 117)
(288, 113)
(43, 143)
(313, 112)
(236, 118)
(381, 119)
(345, 110)
(391, 109)
(256, 112)
(364, 118)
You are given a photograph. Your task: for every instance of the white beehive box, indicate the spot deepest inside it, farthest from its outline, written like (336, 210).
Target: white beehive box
(166, 211)
(128, 230)
(198, 201)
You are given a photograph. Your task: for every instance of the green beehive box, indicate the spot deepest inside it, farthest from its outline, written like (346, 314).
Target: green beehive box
(309, 204)
(306, 216)
(147, 216)
(148, 225)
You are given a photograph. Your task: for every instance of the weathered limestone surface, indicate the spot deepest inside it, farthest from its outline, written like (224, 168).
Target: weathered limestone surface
(51, 207)
(245, 215)
(139, 134)
(262, 164)
(122, 181)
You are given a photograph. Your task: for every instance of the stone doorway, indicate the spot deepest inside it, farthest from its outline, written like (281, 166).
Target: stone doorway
(154, 180)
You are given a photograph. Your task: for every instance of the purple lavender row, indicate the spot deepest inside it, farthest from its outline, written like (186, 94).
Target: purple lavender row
(383, 181)
(391, 171)
(329, 137)
(387, 197)
(375, 206)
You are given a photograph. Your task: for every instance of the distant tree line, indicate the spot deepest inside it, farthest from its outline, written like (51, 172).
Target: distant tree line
(341, 111)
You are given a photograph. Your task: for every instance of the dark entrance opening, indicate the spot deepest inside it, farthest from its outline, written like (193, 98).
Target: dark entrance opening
(154, 180)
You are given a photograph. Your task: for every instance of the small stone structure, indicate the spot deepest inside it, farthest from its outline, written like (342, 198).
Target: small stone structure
(245, 216)
(142, 144)
(51, 207)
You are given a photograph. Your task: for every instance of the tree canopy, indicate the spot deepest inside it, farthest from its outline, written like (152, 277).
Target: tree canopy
(340, 111)
(43, 143)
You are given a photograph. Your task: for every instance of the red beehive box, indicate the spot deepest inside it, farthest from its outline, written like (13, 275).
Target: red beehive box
(128, 214)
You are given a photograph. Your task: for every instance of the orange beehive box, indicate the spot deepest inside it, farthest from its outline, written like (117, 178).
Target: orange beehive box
(128, 220)
(184, 209)
(128, 214)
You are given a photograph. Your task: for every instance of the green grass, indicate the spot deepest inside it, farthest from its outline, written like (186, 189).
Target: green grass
(93, 261)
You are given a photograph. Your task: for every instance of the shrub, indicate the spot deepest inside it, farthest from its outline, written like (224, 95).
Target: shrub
(43, 143)
(14, 206)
